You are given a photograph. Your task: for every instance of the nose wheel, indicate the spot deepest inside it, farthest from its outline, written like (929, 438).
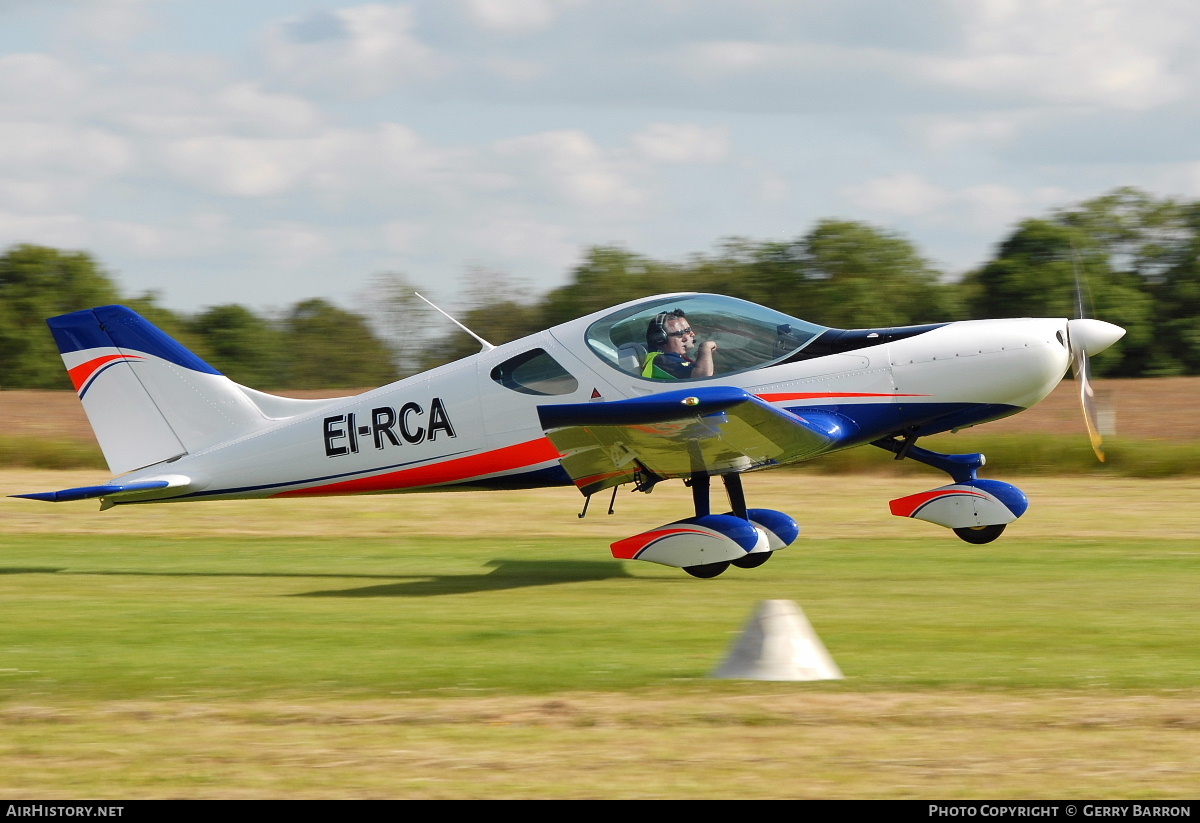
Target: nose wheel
(752, 561)
(978, 534)
(708, 570)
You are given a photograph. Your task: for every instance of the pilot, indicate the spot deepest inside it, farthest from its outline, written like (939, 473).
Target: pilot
(672, 349)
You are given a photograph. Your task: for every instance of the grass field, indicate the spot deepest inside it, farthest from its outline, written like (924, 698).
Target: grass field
(463, 645)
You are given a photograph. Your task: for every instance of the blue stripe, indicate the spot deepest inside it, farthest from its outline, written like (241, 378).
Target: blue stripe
(92, 380)
(875, 420)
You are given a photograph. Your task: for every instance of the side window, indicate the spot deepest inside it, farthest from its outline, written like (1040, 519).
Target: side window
(534, 372)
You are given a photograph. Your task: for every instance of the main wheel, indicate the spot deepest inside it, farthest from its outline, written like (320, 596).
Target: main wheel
(980, 534)
(707, 570)
(752, 561)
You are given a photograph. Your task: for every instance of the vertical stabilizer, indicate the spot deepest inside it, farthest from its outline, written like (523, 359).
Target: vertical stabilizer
(147, 397)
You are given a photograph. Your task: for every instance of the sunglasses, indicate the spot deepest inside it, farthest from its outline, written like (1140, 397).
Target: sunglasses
(681, 332)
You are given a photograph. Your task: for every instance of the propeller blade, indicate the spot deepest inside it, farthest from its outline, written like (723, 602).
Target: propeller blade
(1085, 338)
(1087, 399)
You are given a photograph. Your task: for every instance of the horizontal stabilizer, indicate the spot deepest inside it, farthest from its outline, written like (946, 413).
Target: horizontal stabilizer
(134, 489)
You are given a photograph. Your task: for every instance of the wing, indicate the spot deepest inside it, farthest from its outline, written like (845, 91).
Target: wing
(709, 430)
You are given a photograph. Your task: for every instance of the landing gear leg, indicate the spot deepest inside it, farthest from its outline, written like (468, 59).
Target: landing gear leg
(737, 497)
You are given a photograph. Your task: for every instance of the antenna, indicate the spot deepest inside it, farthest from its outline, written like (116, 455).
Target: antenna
(486, 345)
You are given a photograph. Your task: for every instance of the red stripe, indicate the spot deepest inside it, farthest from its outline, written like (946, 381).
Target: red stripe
(824, 395)
(628, 548)
(84, 371)
(449, 471)
(906, 506)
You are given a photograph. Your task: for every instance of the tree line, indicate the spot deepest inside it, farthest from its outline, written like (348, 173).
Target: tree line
(1138, 256)
(313, 344)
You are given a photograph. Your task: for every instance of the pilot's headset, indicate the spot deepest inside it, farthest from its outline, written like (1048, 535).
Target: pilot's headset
(656, 333)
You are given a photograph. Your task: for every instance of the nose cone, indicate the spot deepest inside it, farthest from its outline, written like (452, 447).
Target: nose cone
(1093, 336)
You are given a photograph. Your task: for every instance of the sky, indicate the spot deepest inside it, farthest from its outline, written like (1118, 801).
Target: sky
(267, 152)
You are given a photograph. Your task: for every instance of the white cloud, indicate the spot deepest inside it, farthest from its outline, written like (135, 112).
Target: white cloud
(293, 245)
(401, 235)
(60, 230)
(989, 208)
(110, 23)
(682, 143)
(364, 50)
(36, 147)
(517, 238)
(515, 68)
(38, 85)
(1111, 53)
(342, 162)
(941, 132)
(569, 163)
(242, 167)
(906, 194)
(513, 15)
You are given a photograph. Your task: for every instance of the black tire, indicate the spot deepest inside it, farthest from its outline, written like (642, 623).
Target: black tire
(708, 570)
(980, 534)
(752, 561)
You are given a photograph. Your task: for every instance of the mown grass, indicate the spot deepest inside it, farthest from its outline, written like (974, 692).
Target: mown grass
(487, 646)
(249, 618)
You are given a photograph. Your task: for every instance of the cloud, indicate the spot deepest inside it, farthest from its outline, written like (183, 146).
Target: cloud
(38, 85)
(363, 50)
(682, 143)
(85, 153)
(905, 193)
(513, 16)
(571, 165)
(1108, 53)
(292, 245)
(111, 23)
(337, 161)
(982, 207)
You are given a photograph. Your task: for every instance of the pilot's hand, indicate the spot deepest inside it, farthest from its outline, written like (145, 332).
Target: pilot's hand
(708, 346)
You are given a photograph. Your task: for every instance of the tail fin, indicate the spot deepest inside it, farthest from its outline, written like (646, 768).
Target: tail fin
(147, 397)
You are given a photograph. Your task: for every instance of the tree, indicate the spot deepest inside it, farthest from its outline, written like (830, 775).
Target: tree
(329, 347)
(1120, 247)
(36, 283)
(405, 321)
(609, 275)
(246, 348)
(857, 276)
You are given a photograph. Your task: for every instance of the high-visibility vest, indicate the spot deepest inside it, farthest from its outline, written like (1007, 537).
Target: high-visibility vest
(653, 371)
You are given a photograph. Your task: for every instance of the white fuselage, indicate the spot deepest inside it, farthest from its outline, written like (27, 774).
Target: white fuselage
(456, 426)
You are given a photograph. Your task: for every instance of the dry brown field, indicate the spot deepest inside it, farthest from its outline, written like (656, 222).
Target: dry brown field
(1160, 408)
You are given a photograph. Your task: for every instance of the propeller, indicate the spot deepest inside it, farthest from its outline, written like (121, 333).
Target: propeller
(1086, 337)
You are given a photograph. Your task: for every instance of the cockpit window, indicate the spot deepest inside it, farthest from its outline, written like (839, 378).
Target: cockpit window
(666, 340)
(535, 372)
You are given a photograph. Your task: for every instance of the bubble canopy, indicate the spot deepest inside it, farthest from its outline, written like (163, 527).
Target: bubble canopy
(748, 336)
